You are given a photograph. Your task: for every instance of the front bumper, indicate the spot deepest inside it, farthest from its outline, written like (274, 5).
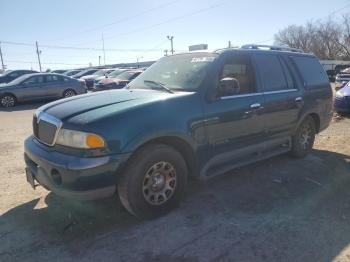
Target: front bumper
(71, 176)
(342, 104)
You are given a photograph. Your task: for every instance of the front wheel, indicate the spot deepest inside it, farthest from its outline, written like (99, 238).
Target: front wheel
(8, 100)
(153, 182)
(304, 138)
(69, 93)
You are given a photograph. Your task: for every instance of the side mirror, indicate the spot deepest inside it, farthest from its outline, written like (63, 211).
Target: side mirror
(228, 86)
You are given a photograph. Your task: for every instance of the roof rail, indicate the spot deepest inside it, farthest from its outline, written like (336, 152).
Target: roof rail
(271, 47)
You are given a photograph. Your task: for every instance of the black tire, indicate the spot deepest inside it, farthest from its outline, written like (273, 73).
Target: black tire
(69, 93)
(134, 187)
(304, 138)
(8, 100)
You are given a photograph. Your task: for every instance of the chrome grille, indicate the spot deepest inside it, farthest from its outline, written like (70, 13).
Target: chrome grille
(45, 128)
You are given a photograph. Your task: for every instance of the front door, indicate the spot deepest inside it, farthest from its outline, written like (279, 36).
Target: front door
(32, 88)
(234, 121)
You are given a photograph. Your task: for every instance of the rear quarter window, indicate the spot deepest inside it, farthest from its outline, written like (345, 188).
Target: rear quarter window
(311, 71)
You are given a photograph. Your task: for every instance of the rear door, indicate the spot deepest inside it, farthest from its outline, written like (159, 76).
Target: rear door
(282, 97)
(55, 85)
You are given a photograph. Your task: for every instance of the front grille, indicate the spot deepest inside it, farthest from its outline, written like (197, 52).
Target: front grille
(45, 128)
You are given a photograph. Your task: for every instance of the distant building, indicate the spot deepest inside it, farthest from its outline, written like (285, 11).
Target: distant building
(198, 47)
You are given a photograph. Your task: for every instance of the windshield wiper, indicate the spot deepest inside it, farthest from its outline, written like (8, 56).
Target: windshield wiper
(159, 85)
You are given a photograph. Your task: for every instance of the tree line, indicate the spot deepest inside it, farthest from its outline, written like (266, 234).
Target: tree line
(328, 39)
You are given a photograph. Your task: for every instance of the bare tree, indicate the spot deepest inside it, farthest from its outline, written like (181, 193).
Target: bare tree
(325, 39)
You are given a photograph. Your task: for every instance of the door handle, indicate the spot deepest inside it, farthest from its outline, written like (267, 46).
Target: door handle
(299, 99)
(255, 106)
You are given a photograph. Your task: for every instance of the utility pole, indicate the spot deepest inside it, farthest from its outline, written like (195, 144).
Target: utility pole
(137, 59)
(38, 53)
(229, 44)
(104, 52)
(2, 60)
(172, 43)
(99, 60)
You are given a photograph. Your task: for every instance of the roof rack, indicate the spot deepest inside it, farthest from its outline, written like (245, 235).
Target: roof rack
(271, 47)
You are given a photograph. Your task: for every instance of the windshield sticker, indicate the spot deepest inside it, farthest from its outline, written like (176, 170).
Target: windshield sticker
(202, 59)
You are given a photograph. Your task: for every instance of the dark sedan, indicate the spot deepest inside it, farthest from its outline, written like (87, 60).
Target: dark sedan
(342, 99)
(38, 87)
(72, 72)
(84, 73)
(89, 79)
(117, 82)
(11, 75)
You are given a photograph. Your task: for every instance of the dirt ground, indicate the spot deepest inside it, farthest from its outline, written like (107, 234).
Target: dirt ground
(282, 209)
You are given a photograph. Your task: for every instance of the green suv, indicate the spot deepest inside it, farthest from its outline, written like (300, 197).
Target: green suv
(196, 115)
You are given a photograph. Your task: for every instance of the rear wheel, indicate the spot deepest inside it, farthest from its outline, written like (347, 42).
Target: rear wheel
(8, 100)
(153, 182)
(304, 138)
(69, 93)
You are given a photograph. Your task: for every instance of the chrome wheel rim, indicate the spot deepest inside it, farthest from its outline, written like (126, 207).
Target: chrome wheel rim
(305, 137)
(159, 183)
(69, 93)
(7, 101)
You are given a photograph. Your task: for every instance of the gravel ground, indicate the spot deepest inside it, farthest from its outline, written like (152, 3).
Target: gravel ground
(281, 209)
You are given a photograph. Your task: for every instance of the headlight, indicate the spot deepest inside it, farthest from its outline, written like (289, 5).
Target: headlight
(78, 139)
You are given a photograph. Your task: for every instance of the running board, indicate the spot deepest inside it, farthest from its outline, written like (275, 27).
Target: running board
(225, 162)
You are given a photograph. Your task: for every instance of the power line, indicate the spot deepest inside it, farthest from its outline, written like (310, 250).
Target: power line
(163, 22)
(336, 11)
(46, 63)
(122, 20)
(78, 48)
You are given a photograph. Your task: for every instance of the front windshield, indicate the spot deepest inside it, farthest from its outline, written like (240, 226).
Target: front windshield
(18, 80)
(101, 72)
(183, 72)
(346, 71)
(116, 72)
(126, 75)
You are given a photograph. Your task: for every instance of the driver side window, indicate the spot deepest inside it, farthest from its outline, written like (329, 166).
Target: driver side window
(34, 80)
(237, 76)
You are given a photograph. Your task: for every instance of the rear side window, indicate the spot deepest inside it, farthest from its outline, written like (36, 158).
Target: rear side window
(272, 74)
(311, 71)
(53, 78)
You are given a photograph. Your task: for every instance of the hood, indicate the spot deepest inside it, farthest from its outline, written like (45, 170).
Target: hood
(109, 80)
(102, 103)
(89, 77)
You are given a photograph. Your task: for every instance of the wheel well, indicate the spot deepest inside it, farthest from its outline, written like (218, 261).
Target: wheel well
(8, 93)
(316, 118)
(182, 147)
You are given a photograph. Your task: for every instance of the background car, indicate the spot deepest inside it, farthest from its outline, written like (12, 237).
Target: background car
(342, 78)
(39, 86)
(120, 81)
(84, 73)
(59, 71)
(11, 75)
(342, 99)
(113, 74)
(89, 79)
(72, 72)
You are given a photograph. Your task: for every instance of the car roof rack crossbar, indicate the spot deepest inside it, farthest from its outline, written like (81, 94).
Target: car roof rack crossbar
(271, 47)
